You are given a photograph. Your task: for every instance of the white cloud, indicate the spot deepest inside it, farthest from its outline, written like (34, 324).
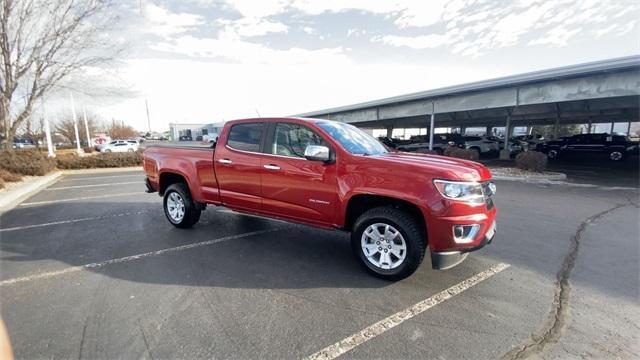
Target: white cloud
(258, 9)
(485, 26)
(245, 52)
(414, 42)
(558, 36)
(162, 22)
(250, 27)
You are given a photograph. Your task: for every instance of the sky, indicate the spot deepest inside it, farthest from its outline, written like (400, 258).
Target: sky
(204, 61)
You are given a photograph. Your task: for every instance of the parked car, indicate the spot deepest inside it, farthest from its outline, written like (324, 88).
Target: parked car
(185, 138)
(440, 142)
(514, 146)
(110, 143)
(333, 175)
(124, 146)
(22, 144)
(388, 142)
(532, 140)
(482, 144)
(615, 147)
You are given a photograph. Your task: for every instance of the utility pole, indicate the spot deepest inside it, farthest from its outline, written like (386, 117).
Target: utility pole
(75, 124)
(86, 126)
(146, 104)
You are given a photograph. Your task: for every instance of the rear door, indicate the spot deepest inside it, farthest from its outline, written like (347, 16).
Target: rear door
(238, 168)
(292, 186)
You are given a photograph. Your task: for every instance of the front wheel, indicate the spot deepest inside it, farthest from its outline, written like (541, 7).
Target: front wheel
(179, 207)
(388, 242)
(552, 154)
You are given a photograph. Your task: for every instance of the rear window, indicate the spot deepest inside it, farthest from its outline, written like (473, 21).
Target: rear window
(246, 137)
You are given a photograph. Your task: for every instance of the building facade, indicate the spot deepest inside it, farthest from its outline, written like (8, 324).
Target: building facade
(195, 131)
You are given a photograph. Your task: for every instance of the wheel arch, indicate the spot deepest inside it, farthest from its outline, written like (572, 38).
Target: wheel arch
(169, 178)
(360, 203)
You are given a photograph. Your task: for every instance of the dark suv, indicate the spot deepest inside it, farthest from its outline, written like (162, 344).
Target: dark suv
(615, 147)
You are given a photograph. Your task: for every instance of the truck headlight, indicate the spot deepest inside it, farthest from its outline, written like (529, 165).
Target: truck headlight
(470, 192)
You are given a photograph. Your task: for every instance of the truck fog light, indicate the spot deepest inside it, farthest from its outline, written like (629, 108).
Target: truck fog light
(464, 234)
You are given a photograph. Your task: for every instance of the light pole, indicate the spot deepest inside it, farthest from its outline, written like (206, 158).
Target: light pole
(86, 126)
(75, 124)
(47, 132)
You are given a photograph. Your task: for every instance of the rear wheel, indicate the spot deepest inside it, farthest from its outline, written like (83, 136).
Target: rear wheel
(616, 155)
(389, 242)
(179, 207)
(552, 154)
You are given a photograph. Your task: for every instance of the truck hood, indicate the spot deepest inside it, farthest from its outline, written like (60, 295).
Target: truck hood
(442, 167)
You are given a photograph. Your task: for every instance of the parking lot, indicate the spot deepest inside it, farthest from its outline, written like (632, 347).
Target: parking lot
(90, 268)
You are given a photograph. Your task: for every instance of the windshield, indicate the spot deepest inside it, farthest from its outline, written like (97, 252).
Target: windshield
(353, 139)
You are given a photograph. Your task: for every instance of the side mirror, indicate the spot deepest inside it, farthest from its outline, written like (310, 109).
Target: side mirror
(317, 153)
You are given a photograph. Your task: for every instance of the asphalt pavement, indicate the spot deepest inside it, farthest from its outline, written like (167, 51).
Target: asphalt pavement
(90, 268)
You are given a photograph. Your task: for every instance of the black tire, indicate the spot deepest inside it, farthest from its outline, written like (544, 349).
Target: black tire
(553, 154)
(107, 151)
(409, 228)
(191, 209)
(616, 155)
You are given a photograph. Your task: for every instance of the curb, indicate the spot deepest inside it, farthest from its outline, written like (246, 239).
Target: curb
(100, 170)
(547, 176)
(555, 177)
(12, 198)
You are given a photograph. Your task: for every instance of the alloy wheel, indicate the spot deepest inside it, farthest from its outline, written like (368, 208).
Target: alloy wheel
(175, 206)
(383, 246)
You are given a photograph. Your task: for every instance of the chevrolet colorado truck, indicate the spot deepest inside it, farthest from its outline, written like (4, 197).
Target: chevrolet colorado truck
(333, 175)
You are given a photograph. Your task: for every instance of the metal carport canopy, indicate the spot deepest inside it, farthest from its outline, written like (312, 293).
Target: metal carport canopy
(602, 91)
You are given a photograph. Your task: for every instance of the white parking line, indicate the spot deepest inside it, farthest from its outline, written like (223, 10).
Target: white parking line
(96, 265)
(359, 338)
(81, 198)
(140, 175)
(93, 185)
(73, 221)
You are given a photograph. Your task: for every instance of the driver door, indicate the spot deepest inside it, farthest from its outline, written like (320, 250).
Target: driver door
(292, 186)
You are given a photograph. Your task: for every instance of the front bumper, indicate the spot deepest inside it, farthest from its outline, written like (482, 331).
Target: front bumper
(447, 259)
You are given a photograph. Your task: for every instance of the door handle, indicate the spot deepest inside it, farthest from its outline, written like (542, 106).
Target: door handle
(271, 167)
(225, 161)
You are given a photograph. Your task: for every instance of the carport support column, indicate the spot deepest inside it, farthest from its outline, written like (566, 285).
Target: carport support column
(389, 131)
(487, 131)
(431, 128)
(505, 154)
(629, 128)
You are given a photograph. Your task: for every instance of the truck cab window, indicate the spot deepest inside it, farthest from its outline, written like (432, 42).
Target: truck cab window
(246, 136)
(292, 139)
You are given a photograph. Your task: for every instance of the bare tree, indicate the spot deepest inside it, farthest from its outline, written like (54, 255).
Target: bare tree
(44, 42)
(120, 130)
(64, 126)
(34, 130)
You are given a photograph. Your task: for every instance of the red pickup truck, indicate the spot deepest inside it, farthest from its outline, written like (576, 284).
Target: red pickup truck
(333, 175)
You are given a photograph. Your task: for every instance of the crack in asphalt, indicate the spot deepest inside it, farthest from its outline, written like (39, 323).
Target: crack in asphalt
(557, 318)
(144, 338)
